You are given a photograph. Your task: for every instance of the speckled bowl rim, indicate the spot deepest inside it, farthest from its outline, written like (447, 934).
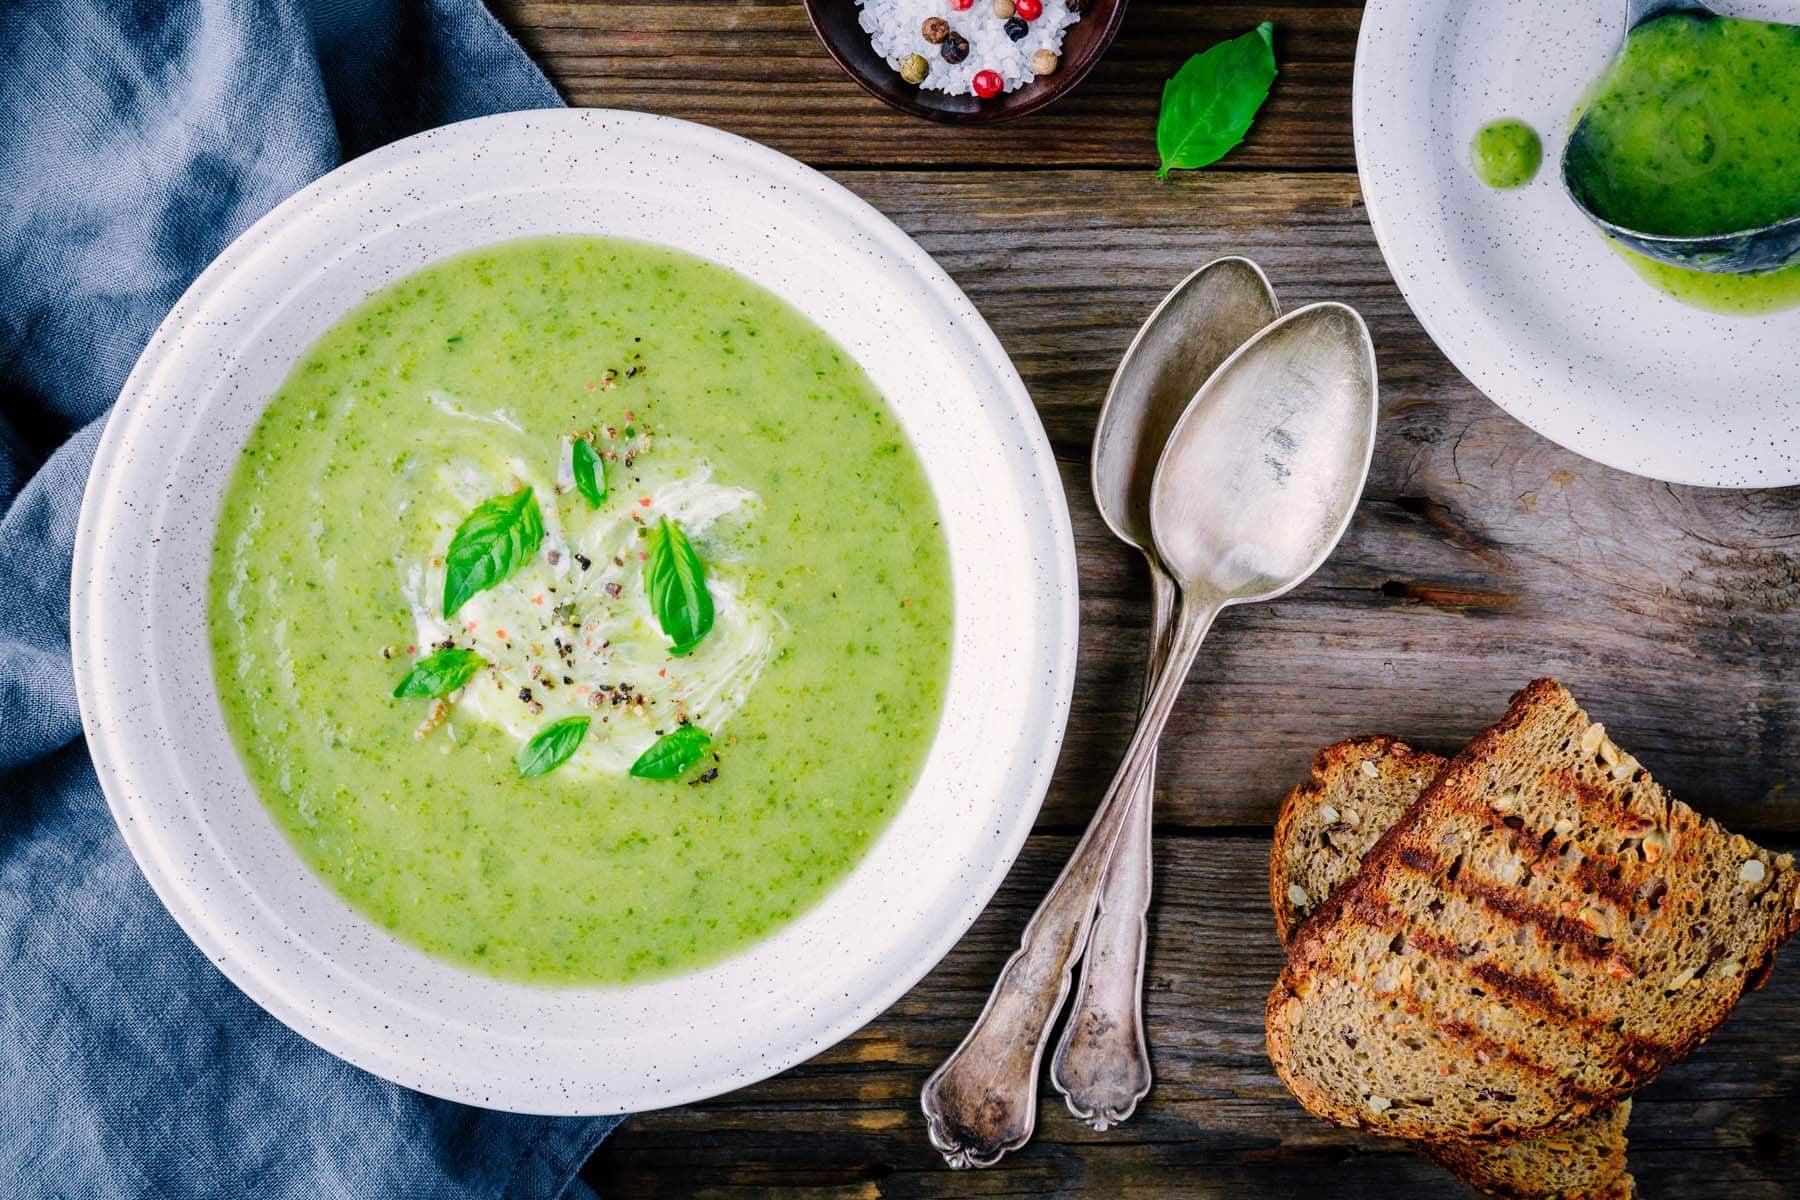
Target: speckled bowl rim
(1554, 392)
(107, 575)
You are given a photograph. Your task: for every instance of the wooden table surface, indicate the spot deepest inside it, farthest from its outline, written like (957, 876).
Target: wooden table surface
(1482, 556)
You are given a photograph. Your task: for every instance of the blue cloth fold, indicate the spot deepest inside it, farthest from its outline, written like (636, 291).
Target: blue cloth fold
(137, 138)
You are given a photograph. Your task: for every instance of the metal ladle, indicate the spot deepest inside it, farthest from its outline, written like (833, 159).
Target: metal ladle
(1745, 251)
(1257, 483)
(1102, 1065)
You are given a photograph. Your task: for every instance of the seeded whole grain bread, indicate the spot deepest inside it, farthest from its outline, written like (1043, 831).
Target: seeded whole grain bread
(1540, 935)
(1356, 791)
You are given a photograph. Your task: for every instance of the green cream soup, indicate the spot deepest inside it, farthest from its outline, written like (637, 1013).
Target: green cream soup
(657, 573)
(1695, 129)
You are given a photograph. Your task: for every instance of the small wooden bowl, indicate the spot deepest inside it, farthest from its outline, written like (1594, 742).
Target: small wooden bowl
(835, 21)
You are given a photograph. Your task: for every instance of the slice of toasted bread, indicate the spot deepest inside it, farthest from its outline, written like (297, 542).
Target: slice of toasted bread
(1583, 1162)
(1358, 789)
(1541, 934)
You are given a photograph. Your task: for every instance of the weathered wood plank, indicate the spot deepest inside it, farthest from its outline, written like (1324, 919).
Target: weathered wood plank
(757, 69)
(1482, 556)
(1218, 1122)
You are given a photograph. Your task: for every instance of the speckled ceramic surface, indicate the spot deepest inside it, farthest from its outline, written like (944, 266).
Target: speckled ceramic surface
(1526, 297)
(211, 849)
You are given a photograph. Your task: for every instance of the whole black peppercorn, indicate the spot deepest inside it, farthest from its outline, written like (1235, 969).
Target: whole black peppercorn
(955, 47)
(1017, 28)
(1078, 6)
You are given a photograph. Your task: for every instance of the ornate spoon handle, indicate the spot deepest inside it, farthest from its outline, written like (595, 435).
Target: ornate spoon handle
(1102, 1066)
(982, 1101)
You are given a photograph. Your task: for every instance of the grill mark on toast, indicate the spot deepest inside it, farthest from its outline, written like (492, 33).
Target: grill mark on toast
(1566, 931)
(1617, 814)
(1373, 913)
(1579, 1101)
(1440, 948)
(1593, 871)
(1478, 1040)
(1507, 904)
(1528, 993)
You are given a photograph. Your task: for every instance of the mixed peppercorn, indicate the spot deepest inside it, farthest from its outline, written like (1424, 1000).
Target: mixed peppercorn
(1015, 16)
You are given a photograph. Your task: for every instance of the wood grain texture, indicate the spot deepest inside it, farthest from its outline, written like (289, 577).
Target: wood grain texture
(757, 69)
(1482, 556)
(1217, 1124)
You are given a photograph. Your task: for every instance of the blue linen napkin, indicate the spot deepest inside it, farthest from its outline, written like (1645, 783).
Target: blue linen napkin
(137, 138)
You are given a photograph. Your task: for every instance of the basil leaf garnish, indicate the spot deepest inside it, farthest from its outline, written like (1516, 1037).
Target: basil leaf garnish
(1208, 105)
(492, 542)
(675, 582)
(440, 673)
(590, 471)
(672, 753)
(551, 746)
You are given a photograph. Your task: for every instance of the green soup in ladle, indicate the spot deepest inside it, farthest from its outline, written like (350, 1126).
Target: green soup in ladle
(1688, 150)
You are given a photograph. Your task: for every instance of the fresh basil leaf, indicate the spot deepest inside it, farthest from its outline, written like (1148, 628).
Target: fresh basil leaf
(590, 471)
(440, 673)
(672, 753)
(551, 746)
(1208, 105)
(492, 542)
(675, 582)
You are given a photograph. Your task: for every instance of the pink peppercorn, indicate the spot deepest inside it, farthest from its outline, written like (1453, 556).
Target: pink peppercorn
(962, 5)
(1031, 10)
(987, 84)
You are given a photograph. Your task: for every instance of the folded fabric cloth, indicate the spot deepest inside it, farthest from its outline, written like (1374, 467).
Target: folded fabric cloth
(137, 138)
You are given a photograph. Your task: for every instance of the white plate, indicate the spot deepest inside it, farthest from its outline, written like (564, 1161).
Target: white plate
(1524, 295)
(213, 852)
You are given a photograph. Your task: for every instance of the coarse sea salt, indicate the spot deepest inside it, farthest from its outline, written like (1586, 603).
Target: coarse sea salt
(894, 29)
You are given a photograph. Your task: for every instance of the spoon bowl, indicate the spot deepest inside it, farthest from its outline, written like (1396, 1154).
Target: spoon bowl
(1740, 252)
(1261, 474)
(1199, 324)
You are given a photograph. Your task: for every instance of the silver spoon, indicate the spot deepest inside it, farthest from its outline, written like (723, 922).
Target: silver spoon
(1101, 1065)
(1745, 251)
(1255, 487)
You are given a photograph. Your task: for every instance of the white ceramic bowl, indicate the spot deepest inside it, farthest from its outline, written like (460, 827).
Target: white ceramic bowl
(1517, 288)
(212, 851)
